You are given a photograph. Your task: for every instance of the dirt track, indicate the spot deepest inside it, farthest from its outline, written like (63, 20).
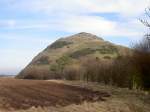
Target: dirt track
(23, 94)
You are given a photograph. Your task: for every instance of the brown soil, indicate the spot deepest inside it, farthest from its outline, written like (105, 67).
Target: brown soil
(23, 94)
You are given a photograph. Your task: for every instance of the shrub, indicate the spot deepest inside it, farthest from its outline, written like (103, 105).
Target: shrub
(141, 57)
(119, 72)
(33, 72)
(108, 49)
(72, 72)
(82, 52)
(107, 57)
(58, 67)
(43, 60)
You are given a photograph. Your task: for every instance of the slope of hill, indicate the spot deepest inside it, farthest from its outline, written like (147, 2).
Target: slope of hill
(69, 51)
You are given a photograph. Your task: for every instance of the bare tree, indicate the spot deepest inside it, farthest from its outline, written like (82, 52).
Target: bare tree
(141, 53)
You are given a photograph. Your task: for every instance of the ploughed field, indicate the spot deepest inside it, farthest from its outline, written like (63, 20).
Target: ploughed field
(23, 94)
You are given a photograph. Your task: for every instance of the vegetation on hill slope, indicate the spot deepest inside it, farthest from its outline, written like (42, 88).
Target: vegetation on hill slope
(67, 52)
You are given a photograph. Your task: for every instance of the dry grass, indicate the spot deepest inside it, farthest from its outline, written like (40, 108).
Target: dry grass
(24, 94)
(108, 106)
(121, 100)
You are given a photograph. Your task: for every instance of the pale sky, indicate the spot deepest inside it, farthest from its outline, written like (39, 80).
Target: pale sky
(28, 26)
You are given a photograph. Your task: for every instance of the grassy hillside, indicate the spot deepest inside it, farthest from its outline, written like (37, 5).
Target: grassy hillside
(69, 51)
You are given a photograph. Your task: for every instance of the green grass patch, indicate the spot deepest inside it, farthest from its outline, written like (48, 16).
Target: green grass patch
(102, 50)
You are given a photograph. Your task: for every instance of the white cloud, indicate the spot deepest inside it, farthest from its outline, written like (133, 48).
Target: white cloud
(24, 24)
(78, 23)
(72, 16)
(7, 23)
(88, 24)
(124, 7)
(94, 24)
(26, 38)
